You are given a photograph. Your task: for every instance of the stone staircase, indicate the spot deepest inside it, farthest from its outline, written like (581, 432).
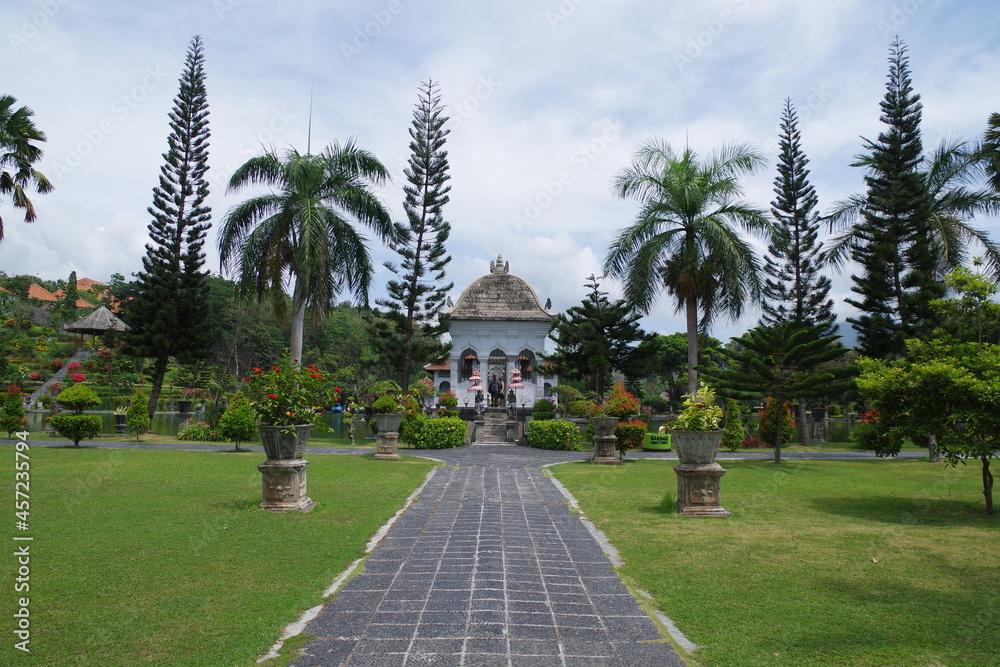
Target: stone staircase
(495, 427)
(79, 356)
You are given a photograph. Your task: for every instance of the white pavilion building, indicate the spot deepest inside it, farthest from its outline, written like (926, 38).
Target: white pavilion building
(497, 325)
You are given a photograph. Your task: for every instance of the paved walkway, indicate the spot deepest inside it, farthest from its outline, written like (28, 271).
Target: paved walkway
(487, 567)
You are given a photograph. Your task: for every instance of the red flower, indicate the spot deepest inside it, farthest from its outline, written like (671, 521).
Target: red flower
(272, 397)
(248, 379)
(276, 369)
(337, 389)
(316, 376)
(257, 371)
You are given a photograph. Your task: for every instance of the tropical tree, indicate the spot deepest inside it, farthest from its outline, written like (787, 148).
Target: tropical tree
(301, 231)
(18, 153)
(989, 154)
(416, 297)
(683, 239)
(949, 391)
(169, 314)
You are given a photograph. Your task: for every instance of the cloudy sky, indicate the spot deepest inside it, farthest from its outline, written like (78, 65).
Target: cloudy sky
(548, 100)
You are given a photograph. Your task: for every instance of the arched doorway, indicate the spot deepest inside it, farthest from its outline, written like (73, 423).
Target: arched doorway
(497, 365)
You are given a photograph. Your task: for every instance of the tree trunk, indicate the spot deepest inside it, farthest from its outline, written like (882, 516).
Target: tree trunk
(804, 422)
(159, 371)
(691, 307)
(933, 455)
(779, 428)
(298, 324)
(988, 484)
(820, 416)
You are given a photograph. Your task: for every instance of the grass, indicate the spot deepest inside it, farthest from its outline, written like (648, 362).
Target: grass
(163, 558)
(823, 563)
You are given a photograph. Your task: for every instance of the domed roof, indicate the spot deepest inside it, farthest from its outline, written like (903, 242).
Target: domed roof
(500, 295)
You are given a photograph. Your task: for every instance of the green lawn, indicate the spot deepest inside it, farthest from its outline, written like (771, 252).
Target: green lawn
(823, 563)
(162, 557)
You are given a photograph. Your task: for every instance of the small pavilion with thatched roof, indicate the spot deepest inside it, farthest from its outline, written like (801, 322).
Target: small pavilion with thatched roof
(97, 323)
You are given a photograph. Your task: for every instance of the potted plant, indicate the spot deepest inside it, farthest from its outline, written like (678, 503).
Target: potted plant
(695, 432)
(121, 413)
(284, 399)
(602, 423)
(388, 414)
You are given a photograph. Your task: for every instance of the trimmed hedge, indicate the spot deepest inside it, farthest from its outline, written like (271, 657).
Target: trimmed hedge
(579, 408)
(438, 433)
(77, 427)
(631, 435)
(552, 434)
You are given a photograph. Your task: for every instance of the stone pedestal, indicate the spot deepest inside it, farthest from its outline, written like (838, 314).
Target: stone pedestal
(698, 489)
(388, 446)
(604, 450)
(284, 486)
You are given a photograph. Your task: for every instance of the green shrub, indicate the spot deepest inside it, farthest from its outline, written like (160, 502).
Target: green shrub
(566, 393)
(239, 422)
(552, 434)
(631, 435)
(622, 403)
(77, 427)
(734, 432)
(386, 405)
(445, 432)
(543, 410)
(12, 417)
(137, 415)
(411, 430)
(78, 398)
(656, 404)
(201, 431)
(579, 408)
(437, 433)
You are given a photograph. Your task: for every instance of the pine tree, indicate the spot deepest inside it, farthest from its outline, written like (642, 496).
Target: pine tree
(794, 290)
(416, 298)
(169, 315)
(893, 245)
(595, 339)
(68, 306)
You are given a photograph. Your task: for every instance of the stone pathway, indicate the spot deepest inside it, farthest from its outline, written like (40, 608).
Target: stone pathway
(487, 567)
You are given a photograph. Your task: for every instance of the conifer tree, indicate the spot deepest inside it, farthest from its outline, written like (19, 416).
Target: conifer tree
(169, 314)
(68, 306)
(794, 290)
(416, 297)
(595, 339)
(894, 244)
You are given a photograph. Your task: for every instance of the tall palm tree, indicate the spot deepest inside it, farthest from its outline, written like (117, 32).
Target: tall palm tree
(301, 232)
(18, 153)
(951, 176)
(683, 239)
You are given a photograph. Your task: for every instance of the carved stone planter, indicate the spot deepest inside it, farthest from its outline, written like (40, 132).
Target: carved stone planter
(698, 475)
(283, 484)
(604, 425)
(388, 436)
(284, 443)
(696, 447)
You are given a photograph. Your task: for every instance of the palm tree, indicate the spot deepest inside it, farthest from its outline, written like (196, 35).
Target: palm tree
(683, 240)
(951, 176)
(301, 231)
(17, 154)
(990, 151)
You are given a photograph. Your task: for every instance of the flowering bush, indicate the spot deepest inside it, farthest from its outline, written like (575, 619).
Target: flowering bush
(78, 377)
(769, 420)
(631, 435)
(56, 364)
(622, 403)
(287, 394)
(73, 367)
(201, 431)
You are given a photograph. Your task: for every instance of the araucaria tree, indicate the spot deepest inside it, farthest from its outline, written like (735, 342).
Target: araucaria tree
(18, 153)
(683, 239)
(794, 290)
(596, 338)
(911, 225)
(169, 314)
(302, 232)
(417, 294)
(785, 361)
